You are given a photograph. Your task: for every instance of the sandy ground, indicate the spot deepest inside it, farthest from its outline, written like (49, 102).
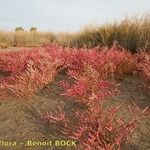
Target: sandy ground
(15, 49)
(20, 121)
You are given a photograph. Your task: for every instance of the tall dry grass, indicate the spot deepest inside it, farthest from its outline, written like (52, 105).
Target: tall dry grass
(132, 34)
(25, 39)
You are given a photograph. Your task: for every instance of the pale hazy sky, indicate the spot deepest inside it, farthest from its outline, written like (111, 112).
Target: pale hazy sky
(66, 15)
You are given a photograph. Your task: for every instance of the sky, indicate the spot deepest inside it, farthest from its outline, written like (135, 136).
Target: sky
(66, 15)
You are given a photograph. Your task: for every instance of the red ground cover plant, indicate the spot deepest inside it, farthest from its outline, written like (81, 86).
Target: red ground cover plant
(142, 60)
(23, 68)
(88, 87)
(96, 127)
(93, 72)
(113, 62)
(28, 71)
